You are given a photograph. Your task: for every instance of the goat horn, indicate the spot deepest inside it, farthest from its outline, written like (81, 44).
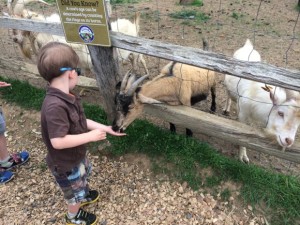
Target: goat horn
(136, 84)
(124, 81)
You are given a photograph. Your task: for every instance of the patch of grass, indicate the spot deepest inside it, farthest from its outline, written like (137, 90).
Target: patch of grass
(213, 181)
(23, 94)
(190, 14)
(198, 3)
(225, 195)
(236, 15)
(181, 158)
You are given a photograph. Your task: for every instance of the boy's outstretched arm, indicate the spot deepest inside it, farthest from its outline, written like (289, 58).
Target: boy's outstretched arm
(108, 129)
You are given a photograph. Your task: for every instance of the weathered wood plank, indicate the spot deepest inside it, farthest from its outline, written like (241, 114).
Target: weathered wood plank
(32, 72)
(255, 71)
(225, 129)
(106, 75)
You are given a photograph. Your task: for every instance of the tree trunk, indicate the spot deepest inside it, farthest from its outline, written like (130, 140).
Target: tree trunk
(299, 3)
(106, 71)
(186, 2)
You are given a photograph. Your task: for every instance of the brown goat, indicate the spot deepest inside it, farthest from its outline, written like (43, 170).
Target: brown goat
(178, 84)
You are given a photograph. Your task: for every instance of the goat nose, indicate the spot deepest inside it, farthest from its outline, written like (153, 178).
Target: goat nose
(289, 141)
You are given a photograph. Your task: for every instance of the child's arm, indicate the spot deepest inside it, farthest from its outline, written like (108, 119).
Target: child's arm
(108, 129)
(73, 140)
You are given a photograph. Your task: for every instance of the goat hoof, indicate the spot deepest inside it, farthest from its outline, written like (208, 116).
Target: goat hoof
(245, 160)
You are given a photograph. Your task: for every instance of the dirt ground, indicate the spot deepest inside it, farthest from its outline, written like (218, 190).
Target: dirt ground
(274, 29)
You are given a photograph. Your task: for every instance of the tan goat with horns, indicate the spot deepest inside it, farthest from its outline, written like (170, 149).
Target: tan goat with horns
(178, 84)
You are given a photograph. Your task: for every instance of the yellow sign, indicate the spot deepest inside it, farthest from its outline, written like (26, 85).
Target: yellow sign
(84, 21)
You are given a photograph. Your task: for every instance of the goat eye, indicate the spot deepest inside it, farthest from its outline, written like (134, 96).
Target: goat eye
(281, 114)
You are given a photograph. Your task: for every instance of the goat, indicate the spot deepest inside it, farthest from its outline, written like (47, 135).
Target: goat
(130, 28)
(37, 40)
(274, 108)
(177, 84)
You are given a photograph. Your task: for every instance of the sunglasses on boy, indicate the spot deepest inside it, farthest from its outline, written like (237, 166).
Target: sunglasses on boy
(78, 70)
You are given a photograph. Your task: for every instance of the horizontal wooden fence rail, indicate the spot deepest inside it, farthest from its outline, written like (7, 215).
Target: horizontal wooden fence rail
(225, 129)
(257, 71)
(32, 72)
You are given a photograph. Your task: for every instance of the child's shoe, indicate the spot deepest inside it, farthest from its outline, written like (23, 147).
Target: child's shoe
(92, 197)
(16, 159)
(5, 176)
(82, 217)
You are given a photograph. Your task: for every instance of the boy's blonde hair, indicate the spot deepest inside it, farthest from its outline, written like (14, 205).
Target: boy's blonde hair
(53, 56)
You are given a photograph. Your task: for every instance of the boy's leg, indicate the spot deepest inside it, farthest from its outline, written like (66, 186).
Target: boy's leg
(3, 149)
(9, 161)
(3, 145)
(92, 195)
(75, 189)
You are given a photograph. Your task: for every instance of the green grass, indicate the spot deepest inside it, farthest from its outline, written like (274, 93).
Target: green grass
(236, 15)
(197, 3)
(183, 159)
(190, 14)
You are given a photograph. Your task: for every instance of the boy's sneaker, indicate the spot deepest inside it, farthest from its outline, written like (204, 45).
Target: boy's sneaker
(5, 176)
(91, 197)
(82, 217)
(16, 159)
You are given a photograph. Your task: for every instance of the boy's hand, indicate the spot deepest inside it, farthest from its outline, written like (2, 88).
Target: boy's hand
(97, 135)
(112, 132)
(4, 84)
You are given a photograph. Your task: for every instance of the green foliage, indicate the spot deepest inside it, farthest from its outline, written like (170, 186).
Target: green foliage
(183, 159)
(197, 3)
(236, 15)
(190, 14)
(225, 195)
(22, 93)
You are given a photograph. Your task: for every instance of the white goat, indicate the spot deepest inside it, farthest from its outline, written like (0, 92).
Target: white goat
(178, 84)
(37, 40)
(130, 28)
(274, 108)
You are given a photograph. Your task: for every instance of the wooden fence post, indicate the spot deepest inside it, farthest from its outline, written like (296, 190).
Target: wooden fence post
(107, 72)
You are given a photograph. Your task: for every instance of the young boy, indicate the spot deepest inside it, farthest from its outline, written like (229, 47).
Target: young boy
(66, 130)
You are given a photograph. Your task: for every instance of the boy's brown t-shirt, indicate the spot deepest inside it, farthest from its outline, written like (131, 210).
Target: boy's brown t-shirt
(62, 114)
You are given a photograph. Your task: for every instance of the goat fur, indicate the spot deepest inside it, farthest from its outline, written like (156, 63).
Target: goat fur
(177, 84)
(129, 28)
(275, 109)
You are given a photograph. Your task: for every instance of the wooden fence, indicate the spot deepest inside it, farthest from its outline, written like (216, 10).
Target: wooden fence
(198, 121)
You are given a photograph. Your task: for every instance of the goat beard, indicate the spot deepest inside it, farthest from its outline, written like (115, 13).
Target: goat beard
(272, 137)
